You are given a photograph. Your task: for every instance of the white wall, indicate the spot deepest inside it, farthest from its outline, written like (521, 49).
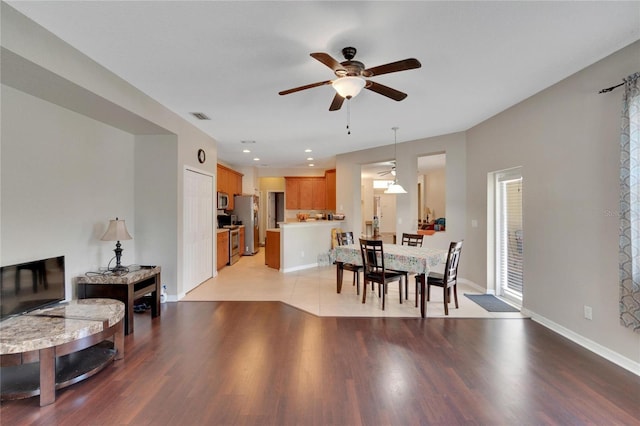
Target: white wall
(62, 180)
(156, 212)
(367, 194)
(295, 251)
(435, 184)
(38, 63)
(348, 191)
(566, 140)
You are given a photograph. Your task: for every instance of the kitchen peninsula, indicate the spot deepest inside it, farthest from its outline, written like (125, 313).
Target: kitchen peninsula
(302, 242)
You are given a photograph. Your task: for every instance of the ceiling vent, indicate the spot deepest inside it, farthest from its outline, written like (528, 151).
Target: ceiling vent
(200, 115)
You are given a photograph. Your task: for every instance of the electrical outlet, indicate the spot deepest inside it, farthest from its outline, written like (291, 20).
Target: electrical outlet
(588, 312)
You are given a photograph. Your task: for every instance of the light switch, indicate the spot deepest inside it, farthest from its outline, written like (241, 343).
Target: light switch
(474, 223)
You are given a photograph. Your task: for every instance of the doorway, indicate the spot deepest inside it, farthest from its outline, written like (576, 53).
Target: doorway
(275, 209)
(509, 235)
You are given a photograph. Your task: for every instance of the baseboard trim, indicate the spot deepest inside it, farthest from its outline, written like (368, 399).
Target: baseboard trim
(594, 347)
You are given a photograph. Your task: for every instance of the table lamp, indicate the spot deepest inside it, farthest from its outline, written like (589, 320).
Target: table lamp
(117, 231)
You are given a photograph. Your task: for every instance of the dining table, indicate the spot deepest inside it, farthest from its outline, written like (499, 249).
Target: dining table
(412, 259)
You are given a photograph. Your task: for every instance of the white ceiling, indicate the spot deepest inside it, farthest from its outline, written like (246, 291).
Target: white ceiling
(230, 59)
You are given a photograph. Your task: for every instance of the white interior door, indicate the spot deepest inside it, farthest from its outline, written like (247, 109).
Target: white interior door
(198, 229)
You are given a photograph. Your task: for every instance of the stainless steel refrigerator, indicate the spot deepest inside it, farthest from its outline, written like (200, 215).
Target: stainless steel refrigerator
(246, 207)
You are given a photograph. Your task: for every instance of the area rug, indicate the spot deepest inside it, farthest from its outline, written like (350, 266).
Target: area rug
(491, 303)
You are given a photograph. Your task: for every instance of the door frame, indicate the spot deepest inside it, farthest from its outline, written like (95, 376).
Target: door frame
(493, 216)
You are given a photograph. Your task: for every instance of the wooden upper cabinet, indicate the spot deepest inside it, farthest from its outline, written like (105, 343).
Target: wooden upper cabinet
(237, 183)
(292, 191)
(318, 202)
(230, 182)
(305, 193)
(330, 182)
(222, 179)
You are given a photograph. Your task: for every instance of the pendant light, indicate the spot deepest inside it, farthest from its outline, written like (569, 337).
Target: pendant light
(395, 187)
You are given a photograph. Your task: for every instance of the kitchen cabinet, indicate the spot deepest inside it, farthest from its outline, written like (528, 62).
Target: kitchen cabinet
(319, 190)
(242, 228)
(222, 249)
(272, 249)
(330, 181)
(305, 186)
(229, 181)
(305, 193)
(292, 192)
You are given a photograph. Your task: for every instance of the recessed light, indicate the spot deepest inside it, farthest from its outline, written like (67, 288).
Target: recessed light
(246, 150)
(311, 164)
(256, 159)
(309, 158)
(307, 150)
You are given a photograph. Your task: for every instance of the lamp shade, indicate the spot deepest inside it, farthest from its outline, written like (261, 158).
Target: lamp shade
(117, 231)
(395, 188)
(348, 87)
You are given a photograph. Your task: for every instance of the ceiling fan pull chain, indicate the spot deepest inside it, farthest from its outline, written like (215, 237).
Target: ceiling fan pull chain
(348, 115)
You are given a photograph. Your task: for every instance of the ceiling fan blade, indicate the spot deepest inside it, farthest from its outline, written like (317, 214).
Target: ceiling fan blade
(336, 104)
(308, 86)
(406, 64)
(387, 91)
(328, 60)
(384, 173)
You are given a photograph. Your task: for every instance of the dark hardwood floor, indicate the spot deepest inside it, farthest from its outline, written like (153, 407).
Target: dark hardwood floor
(266, 363)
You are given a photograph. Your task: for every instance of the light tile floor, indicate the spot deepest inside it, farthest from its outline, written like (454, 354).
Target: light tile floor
(314, 291)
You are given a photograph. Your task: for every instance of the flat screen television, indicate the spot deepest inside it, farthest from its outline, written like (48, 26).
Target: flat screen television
(31, 285)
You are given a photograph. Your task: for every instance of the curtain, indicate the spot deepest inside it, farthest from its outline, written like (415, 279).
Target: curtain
(630, 205)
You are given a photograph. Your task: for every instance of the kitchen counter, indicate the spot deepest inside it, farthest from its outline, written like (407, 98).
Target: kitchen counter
(310, 222)
(302, 242)
(221, 230)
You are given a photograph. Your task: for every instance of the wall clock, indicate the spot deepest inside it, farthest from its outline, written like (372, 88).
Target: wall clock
(202, 157)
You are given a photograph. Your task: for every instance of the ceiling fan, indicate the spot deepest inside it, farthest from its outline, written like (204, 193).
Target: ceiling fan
(351, 77)
(391, 171)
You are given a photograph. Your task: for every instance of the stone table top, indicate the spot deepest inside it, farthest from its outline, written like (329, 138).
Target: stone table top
(58, 324)
(128, 278)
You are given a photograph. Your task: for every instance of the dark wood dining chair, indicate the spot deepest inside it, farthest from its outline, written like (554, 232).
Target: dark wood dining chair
(374, 270)
(414, 240)
(344, 239)
(448, 281)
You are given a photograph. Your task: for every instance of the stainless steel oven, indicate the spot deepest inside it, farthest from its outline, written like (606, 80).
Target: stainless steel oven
(234, 245)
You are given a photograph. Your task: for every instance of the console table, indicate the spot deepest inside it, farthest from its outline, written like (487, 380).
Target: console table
(127, 288)
(52, 348)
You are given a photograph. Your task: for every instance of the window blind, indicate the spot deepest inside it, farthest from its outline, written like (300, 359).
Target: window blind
(511, 237)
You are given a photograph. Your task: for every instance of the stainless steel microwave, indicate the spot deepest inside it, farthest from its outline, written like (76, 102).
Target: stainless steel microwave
(223, 201)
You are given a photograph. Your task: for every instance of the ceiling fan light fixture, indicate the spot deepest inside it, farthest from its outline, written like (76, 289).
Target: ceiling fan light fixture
(348, 87)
